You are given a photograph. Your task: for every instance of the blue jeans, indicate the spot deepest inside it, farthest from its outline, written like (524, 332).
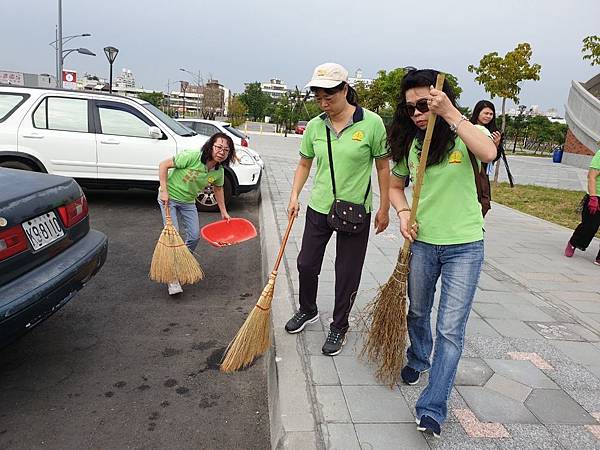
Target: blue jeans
(459, 266)
(188, 216)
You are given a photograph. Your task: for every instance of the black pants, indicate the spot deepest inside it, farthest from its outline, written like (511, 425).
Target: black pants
(349, 259)
(585, 231)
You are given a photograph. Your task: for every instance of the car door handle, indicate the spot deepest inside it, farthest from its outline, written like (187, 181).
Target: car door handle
(34, 136)
(110, 142)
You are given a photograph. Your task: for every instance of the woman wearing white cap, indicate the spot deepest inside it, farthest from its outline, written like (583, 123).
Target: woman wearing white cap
(344, 140)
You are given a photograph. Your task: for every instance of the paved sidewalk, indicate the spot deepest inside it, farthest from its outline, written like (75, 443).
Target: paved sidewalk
(530, 372)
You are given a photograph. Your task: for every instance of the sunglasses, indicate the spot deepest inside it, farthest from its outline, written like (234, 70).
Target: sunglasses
(421, 106)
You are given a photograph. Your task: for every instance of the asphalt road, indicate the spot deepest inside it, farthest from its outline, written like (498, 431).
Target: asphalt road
(123, 365)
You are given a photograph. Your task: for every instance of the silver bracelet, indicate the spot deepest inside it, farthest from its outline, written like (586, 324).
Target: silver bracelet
(454, 127)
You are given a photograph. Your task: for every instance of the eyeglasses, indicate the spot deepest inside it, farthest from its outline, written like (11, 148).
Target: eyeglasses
(220, 148)
(421, 106)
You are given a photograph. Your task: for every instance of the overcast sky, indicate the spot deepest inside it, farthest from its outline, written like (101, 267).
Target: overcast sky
(239, 41)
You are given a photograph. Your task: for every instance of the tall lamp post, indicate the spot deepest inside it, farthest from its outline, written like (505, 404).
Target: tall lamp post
(198, 79)
(184, 86)
(60, 54)
(111, 55)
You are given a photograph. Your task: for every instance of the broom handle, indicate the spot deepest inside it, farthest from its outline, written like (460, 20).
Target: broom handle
(168, 219)
(439, 84)
(283, 242)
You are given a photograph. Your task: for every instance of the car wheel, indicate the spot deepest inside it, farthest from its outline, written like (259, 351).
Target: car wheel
(15, 165)
(206, 200)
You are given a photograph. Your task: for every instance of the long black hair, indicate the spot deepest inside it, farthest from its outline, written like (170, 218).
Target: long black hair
(403, 130)
(351, 95)
(479, 106)
(206, 151)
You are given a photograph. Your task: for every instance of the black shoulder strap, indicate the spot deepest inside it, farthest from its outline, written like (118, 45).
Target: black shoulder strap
(476, 172)
(330, 153)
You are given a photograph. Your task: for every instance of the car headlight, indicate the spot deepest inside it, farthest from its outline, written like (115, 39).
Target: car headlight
(245, 159)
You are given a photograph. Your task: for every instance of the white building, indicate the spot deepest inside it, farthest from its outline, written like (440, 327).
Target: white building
(358, 76)
(125, 80)
(275, 88)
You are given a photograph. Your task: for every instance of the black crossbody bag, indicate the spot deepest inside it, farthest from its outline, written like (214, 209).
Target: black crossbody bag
(345, 216)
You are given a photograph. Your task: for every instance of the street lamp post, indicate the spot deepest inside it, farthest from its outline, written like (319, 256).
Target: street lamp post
(198, 80)
(184, 86)
(111, 55)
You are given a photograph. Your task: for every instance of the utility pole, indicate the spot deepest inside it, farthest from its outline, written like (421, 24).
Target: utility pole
(59, 47)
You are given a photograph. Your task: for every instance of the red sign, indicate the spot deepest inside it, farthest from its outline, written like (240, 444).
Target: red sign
(69, 76)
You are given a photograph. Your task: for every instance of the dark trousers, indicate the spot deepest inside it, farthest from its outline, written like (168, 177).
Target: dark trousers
(585, 231)
(349, 259)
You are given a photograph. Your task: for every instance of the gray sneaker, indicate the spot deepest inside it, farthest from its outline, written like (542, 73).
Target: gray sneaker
(334, 342)
(299, 320)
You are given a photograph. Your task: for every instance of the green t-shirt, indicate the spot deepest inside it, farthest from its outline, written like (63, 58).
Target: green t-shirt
(353, 153)
(448, 211)
(190, 176)
(595, 164)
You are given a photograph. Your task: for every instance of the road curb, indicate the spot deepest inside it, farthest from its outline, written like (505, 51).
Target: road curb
(291, 414)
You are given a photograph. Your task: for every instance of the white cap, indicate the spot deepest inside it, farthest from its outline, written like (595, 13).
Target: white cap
(328, 75)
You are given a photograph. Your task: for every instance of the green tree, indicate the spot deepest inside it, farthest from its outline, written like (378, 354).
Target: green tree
(500, 76)
(237, 111)
(256, 101)
(156, 98)
(591, 49)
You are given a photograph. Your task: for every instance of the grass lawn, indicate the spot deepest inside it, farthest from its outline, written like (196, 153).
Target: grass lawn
(554, 205)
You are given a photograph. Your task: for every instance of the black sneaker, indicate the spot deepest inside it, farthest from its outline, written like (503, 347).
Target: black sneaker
(429, 425)
(410, 376)
(334, 342)
(299, 320)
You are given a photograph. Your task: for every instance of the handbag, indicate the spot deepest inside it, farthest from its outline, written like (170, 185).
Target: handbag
(345, 217)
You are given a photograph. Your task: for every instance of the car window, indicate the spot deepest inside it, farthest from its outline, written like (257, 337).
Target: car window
(211, 129)
(62, 114)
(203, 128)
(9, 103)
(234, 131)
(122, 123)
(175, 126)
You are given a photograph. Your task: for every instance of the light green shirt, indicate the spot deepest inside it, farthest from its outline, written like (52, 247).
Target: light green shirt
(595, 164)
(448, 211)
(190, 176)
(353, 150)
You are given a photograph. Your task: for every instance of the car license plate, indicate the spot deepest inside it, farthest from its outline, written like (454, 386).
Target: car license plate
(43, 230)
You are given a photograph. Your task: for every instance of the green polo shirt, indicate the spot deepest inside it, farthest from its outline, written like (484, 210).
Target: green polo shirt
(190, 176)
(448, 212)
(595, 164)
(353, 150)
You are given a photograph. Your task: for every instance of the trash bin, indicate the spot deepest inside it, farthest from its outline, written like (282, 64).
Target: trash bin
(557, 155)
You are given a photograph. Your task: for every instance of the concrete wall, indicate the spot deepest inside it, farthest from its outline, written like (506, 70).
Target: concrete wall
(583, 118)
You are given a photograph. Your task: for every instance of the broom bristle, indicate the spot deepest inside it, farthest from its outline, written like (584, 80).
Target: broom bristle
(254, 337)
(386, 337)
(173, 261)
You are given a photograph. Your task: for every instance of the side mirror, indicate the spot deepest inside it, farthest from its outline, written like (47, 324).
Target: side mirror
(155, 133)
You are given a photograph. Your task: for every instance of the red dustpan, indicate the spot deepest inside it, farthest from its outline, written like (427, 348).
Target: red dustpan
(223, 233)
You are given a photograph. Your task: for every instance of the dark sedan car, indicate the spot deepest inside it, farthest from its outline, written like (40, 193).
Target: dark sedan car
(47, 250)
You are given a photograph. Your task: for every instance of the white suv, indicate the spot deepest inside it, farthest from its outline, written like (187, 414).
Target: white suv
(102, 140)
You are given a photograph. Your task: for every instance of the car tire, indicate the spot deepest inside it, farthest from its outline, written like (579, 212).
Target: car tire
(15, 165)
(206, 200)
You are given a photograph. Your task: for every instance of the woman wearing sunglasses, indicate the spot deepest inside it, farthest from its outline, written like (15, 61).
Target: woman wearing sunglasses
(447, 239)
(192, 171)
(344, 141)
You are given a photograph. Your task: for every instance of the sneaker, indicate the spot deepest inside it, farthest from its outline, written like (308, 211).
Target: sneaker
(299, 320)
(410, 376)
(175, 288)
(429, 425)
(569, 250)
(334, 342)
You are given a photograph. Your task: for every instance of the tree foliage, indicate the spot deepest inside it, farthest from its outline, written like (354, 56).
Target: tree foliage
(256, 101)
(156, 98)
(237, 111)
(501, 75)
(591, 49)
(534, 133)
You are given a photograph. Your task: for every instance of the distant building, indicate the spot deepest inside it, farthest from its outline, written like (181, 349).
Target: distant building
(275, 88)
(27, 79)
(126, 79)
(358, 76)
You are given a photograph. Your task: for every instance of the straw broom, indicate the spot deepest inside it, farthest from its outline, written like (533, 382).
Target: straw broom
(386, 335)
(254, 337)
(172, 260)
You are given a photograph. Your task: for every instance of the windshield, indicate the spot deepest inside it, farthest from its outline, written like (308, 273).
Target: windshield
(177, 127)
(234, 131)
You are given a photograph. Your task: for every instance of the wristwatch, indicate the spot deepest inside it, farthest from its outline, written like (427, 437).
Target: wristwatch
(454, 126)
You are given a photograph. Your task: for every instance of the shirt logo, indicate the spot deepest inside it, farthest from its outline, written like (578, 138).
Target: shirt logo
(455, 157)
(191, 176)
(358, 136)
(211, 180)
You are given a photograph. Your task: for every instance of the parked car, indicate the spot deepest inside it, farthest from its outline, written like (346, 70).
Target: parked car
(209, 127)
(103, 140)
(300, 127)
(47, 250)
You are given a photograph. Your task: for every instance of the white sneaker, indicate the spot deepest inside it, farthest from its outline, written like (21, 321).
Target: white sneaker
(175, 288)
